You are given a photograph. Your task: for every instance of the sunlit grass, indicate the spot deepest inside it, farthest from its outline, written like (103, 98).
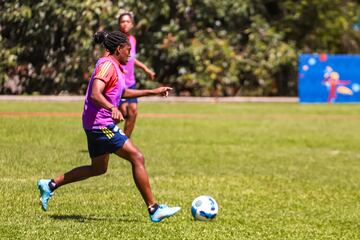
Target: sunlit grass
(278, 171)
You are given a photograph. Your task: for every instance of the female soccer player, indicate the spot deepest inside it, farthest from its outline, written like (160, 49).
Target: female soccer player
(100, 115)
(129, 106)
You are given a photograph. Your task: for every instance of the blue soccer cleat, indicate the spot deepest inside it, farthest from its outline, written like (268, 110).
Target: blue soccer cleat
(45, 193)
(163, 212)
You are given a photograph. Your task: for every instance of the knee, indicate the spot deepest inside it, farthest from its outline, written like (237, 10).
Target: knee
(138, 159)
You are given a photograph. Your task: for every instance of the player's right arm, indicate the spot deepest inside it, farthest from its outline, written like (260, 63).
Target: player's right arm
(103, 76)
(98, 98)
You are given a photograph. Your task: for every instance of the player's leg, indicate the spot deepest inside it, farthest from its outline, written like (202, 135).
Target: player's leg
(98, 166)
(124, 108)
(131, 153)
(129, 111)
(131, 118)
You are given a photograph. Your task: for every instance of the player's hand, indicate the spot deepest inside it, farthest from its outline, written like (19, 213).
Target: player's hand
(150, 73)
(116, 115)
(163, 91)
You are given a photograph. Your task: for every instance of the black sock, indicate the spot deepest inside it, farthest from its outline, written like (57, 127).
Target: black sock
(153, 208)
(52, 185)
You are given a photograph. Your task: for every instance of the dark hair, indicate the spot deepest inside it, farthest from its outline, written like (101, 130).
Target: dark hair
(111, 40)
(125, 14)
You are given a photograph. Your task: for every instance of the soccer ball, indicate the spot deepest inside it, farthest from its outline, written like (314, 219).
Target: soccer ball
(204, 208)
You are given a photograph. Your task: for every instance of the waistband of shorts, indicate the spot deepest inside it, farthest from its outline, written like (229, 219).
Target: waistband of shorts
(110, 126)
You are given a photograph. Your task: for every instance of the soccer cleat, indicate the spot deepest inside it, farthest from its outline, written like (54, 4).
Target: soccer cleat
(45, 192)
(163, 212)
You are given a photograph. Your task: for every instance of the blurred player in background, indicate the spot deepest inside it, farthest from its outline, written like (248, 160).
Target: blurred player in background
(128, 106)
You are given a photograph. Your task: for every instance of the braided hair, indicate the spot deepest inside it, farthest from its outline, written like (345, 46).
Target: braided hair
(111, 40)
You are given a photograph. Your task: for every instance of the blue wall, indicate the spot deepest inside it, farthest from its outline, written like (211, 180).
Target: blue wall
(329, 78)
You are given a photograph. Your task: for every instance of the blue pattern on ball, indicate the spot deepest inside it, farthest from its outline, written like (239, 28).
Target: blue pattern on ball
(207, 215)
(212, 204)
(193, 211)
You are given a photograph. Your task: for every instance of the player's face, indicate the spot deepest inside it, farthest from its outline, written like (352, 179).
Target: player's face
(123, 54)
(125, 24)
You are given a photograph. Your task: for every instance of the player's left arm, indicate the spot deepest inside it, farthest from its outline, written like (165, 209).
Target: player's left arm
(147, 70)
(133, 93)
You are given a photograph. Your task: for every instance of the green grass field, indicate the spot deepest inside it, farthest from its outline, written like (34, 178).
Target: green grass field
(277, 171)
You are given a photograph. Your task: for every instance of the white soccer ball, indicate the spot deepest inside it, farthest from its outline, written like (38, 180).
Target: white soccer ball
(204, 208)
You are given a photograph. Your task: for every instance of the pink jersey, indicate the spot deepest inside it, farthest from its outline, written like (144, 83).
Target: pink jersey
(129, 68)
(109, 71)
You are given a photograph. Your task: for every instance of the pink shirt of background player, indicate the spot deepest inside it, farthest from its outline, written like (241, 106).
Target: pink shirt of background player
(129, 68)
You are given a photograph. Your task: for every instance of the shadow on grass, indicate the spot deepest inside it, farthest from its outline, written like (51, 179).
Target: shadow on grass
(84, 218)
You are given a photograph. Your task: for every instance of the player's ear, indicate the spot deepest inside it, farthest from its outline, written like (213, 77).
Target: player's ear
(118, 49)
(121, 46)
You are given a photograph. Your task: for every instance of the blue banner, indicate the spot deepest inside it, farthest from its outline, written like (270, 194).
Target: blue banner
(329, 78)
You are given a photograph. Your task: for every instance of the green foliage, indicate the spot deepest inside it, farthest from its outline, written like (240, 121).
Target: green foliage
(48, 44)
(201, 48)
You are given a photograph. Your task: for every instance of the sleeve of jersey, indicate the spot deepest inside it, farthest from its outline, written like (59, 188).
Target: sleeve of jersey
(105, 72)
